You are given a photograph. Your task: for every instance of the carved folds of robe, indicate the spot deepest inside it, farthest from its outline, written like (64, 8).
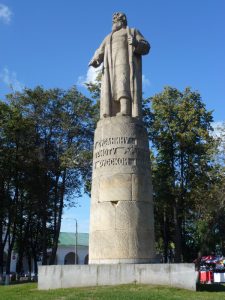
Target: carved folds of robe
(122, 71)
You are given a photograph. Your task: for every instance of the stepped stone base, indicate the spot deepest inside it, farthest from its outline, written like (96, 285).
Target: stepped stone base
(68, 276)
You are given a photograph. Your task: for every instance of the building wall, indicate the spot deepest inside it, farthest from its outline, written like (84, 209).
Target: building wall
(14, 257)
(82, 252)
(62, 251)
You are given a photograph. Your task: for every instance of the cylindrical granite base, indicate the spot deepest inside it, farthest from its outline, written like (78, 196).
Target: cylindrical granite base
(121, 222)
(122, 261)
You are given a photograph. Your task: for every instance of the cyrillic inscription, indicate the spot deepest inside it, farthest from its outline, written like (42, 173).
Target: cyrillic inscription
(112, 162)
(127, 153)
(120, 140)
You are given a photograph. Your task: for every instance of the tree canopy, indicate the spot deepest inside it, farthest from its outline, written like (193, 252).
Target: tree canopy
(46, 139)
(184, 174)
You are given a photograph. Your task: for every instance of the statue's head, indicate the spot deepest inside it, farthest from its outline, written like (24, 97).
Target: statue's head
(119, 20)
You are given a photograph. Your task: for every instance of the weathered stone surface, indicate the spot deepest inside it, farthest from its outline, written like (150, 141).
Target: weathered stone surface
(129, 215)
(119, 245)
(102, 214)
(141, 187)
(120, 147)
(95, 190)
(176, 275)
(121, 224)
(121, 53)
(116, 187)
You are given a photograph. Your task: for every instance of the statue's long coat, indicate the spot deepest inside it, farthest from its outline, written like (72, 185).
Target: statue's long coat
(114, 77)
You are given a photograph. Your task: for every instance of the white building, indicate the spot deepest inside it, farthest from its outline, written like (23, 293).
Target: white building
(67, 248)
(66, 251)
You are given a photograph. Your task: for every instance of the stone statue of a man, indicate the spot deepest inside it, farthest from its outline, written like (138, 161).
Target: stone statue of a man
(120, 53)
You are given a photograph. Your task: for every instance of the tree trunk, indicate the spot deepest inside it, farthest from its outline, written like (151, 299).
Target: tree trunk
(3, 235)
(44, 224)
(8, 265)
(11, 241)
(19, 264)
(58, 221)
(29, 265)
(44, 243)
(1, 252)
(165, 236)
(177, 235)
(34, 254)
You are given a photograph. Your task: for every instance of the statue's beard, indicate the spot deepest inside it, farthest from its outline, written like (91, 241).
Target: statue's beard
(117, 26)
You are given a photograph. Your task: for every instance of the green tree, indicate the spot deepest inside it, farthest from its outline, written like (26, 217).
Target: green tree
(5, 179)
(179, 128)
(14, 147)
(64, 133)
(46, 141)
(210, 204)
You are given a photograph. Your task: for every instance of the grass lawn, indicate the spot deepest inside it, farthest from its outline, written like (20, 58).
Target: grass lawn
(28, 291)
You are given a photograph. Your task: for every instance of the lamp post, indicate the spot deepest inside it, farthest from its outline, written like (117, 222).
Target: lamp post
(76, 239)
(76, 256)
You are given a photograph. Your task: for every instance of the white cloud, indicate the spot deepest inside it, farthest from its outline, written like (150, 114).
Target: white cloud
(92, 74)
(145, 82)
(219, 135)
(217, 130)
(90, 77)
(5, 14)
(10, 79)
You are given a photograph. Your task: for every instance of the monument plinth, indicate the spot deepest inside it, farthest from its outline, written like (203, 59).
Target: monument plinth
(121, 223)
(121, 216)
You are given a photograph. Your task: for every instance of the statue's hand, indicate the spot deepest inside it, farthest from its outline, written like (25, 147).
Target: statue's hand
(94, 63)
(131, 40)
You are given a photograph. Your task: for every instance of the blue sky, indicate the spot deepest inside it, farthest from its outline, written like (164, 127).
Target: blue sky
(50, 42)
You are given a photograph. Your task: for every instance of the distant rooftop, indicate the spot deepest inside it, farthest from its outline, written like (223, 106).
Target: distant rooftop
(69, 238)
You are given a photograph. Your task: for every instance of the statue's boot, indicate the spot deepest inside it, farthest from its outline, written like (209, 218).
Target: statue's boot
(124, 107)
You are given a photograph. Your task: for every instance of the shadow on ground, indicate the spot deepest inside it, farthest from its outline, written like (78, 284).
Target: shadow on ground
(216, 287)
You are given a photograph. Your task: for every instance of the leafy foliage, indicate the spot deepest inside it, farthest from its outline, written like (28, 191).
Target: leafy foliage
(46, 141)
(179, 128)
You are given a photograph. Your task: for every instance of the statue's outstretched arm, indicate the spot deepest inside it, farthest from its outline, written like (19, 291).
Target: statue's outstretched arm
(98, 57)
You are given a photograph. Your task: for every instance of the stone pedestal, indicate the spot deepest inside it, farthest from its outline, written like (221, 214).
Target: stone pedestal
(121, 218)
(68, 276)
